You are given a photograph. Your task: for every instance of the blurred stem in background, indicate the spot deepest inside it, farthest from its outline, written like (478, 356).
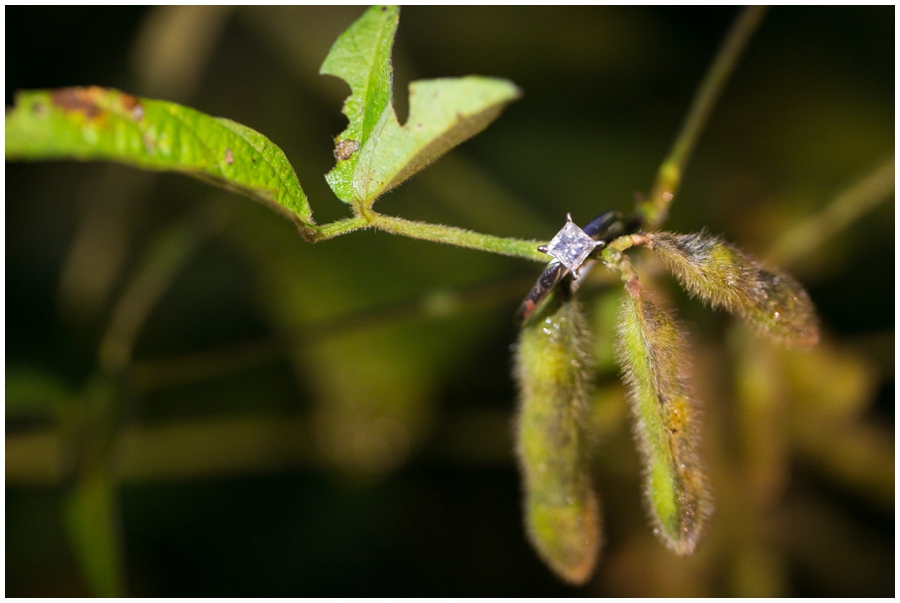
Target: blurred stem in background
(655, 209)
(801, 242)
(169, 54)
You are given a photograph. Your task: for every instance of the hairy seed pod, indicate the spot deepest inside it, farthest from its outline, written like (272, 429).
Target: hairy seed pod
(553, 367)
(650, 351)
(725, 277)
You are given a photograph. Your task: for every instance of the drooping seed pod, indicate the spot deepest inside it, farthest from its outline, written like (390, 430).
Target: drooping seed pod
(553, 367)
(726, 277)
(650, 352)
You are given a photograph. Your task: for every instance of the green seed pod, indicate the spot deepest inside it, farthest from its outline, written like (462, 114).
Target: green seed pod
(649, 350)
(724, 276)
(553, 367)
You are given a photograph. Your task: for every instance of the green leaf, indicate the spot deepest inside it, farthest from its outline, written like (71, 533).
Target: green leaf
(35, 392)
(442, 114)
(361, 56)
(91, 517)
(553, 369)
(375, 153)
(650, 351)
(90, 510)
(103, 124)
(724, 276)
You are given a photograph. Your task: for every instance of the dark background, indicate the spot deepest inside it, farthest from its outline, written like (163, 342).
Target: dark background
(312, 503)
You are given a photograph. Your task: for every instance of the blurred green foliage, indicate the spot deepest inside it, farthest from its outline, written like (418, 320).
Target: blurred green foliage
(334, 419)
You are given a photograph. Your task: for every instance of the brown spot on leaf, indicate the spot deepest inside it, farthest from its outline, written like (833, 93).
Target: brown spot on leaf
(132, 105)
(344, 149)
(229, 156)
(80, 100)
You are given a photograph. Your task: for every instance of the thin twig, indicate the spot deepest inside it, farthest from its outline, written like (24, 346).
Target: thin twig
(460, 237)
(165, 259)
(655, 208)
(209, 364)
(808, 236)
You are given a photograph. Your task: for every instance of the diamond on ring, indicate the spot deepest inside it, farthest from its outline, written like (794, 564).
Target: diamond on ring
(571, 246)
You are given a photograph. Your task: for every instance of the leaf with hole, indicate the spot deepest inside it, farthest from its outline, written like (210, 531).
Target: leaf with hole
(375, 153)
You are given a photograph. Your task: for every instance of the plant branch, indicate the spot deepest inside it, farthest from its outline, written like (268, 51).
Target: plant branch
(809, 235)
(438, 233)
(243, 445)
(208, 364)
(164, 261)
(340, 227)
(655, 208)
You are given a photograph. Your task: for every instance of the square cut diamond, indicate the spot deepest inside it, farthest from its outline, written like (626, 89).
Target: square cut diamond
(571, 246)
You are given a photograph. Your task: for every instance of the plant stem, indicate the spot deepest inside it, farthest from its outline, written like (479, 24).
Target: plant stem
(164, 260)
(655, 208)
(204, 365)
(460, 237)
(335, 229)
(805, 238)
(216, 446)
(437, 233)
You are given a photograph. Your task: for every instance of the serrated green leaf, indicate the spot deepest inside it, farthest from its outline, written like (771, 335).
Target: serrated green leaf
(375, 153)
(442, 114)
(553, 368)
(361, 56)
(104, 124)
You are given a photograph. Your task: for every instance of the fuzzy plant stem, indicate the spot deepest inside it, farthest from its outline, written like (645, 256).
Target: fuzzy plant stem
(436, 233)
